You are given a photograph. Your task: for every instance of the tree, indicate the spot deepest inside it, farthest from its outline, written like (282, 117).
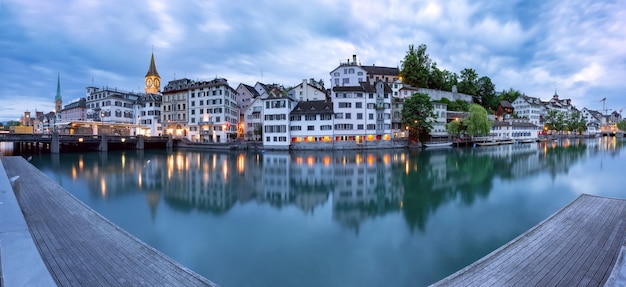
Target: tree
(486, 91)
(555, 121)
(456, 127)
(436, 78)
(511, 95)
(417, 114)
(622, 125)
(477, 122)
(416, 67)
(449, 80)
(469, 84)
(576, 123)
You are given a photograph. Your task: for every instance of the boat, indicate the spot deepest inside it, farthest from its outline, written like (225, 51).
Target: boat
(437, 144)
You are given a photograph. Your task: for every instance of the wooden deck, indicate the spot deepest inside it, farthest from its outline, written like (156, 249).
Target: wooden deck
(80, 247)
(577, 246)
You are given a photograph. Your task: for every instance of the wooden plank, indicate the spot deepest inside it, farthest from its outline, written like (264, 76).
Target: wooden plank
(81, 248)
(577, 246)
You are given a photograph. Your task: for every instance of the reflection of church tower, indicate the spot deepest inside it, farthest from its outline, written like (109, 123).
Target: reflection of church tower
(153, 80)
(153, 198)
(58, 102)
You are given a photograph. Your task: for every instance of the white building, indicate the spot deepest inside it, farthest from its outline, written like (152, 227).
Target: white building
(363, 112)
(308, 91)
(311, 121)
(594, 120)
(276, 133)
(253, 120)
(213, 112)
(110, 105)
(174, 107)
(148, 115)
(439, 121)
(521, 130)
(531, 108)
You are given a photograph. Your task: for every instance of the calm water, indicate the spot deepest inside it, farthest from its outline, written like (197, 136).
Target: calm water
(375, 218)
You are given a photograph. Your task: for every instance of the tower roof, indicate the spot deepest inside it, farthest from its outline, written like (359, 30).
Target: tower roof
(152, 71)
(58, 96)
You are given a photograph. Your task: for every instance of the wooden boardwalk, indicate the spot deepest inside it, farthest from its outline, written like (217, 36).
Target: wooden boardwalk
(577, 246)
(80, 247)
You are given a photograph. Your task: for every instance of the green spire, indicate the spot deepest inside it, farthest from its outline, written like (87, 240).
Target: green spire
(58, 96)
(152, 70)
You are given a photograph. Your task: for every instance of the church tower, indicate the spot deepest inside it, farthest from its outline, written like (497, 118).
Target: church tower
(58, 102)
(153, 80)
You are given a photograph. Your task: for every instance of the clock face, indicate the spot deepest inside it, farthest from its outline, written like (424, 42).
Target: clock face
(148, 82)
(157, 82)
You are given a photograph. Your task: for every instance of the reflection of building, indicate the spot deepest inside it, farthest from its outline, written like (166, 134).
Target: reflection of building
(276, 185)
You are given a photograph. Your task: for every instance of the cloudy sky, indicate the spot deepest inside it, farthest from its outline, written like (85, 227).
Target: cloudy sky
(577, 46)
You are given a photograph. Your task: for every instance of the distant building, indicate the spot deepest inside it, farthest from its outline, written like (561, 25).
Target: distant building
(276, 132)
(308, 91)
(174, 107)
(58, 101)
(74, 111)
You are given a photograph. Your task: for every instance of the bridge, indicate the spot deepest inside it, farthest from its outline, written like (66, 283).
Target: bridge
(57, 143)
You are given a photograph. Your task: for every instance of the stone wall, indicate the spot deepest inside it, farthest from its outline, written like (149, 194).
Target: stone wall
(436, 95)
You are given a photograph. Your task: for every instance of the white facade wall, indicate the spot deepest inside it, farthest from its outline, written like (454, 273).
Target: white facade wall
(252, 119)
(314, 127)
(347, 74)
(307, 92)
(214, 113)
(529, 108)
(276, 134)
(439, 122)
(110, 105)
(148, 116)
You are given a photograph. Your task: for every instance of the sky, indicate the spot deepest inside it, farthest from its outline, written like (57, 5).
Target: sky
(576, 47)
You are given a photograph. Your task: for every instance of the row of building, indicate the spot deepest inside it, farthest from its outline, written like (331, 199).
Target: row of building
(362, 107)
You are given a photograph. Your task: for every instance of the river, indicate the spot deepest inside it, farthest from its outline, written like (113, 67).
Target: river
(343, 218)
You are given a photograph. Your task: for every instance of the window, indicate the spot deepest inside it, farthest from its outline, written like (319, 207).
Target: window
(338, 116)
(326, 117)
(310, 117)
(359, 116)
(345, 105)
(310, 128)
(359, 105)
(348, 115)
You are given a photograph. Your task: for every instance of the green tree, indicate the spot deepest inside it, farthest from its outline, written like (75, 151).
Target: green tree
(456, 128)
(469, 84)
(449, 80)
(555, 121)
(415, 69)
(622, 125)
(576, 123)
(417, 114)
(436, 78)
(477, 122)
(13, 123)
(486, 91)
(509, 95)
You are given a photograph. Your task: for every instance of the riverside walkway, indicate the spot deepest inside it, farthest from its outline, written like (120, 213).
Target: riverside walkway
(80, 247)
(581, 245)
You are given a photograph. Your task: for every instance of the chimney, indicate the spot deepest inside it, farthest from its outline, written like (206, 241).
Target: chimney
(354, 59)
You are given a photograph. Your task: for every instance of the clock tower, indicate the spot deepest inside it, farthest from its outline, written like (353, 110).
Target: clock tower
(153, 80)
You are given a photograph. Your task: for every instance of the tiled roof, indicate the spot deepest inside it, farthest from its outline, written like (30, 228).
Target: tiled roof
(375, 70)
(313, 107)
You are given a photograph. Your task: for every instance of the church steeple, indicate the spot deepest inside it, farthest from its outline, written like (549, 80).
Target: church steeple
(153, 80)
(58, 101)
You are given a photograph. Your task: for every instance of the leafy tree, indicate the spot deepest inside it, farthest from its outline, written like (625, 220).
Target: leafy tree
(449, 80)
(415, 69)
(456, 127)
(509, 95)
(486, 91)
(417, 114)
(477, 122)
(13, 123)
(576, 123)
(469, 84)
(622, 125)
(555, 121)
(436, 78)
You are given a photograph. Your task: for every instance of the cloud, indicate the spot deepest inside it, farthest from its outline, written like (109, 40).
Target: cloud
(525, 45)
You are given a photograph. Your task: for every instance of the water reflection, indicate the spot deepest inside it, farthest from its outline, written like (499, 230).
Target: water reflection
(360, 186)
